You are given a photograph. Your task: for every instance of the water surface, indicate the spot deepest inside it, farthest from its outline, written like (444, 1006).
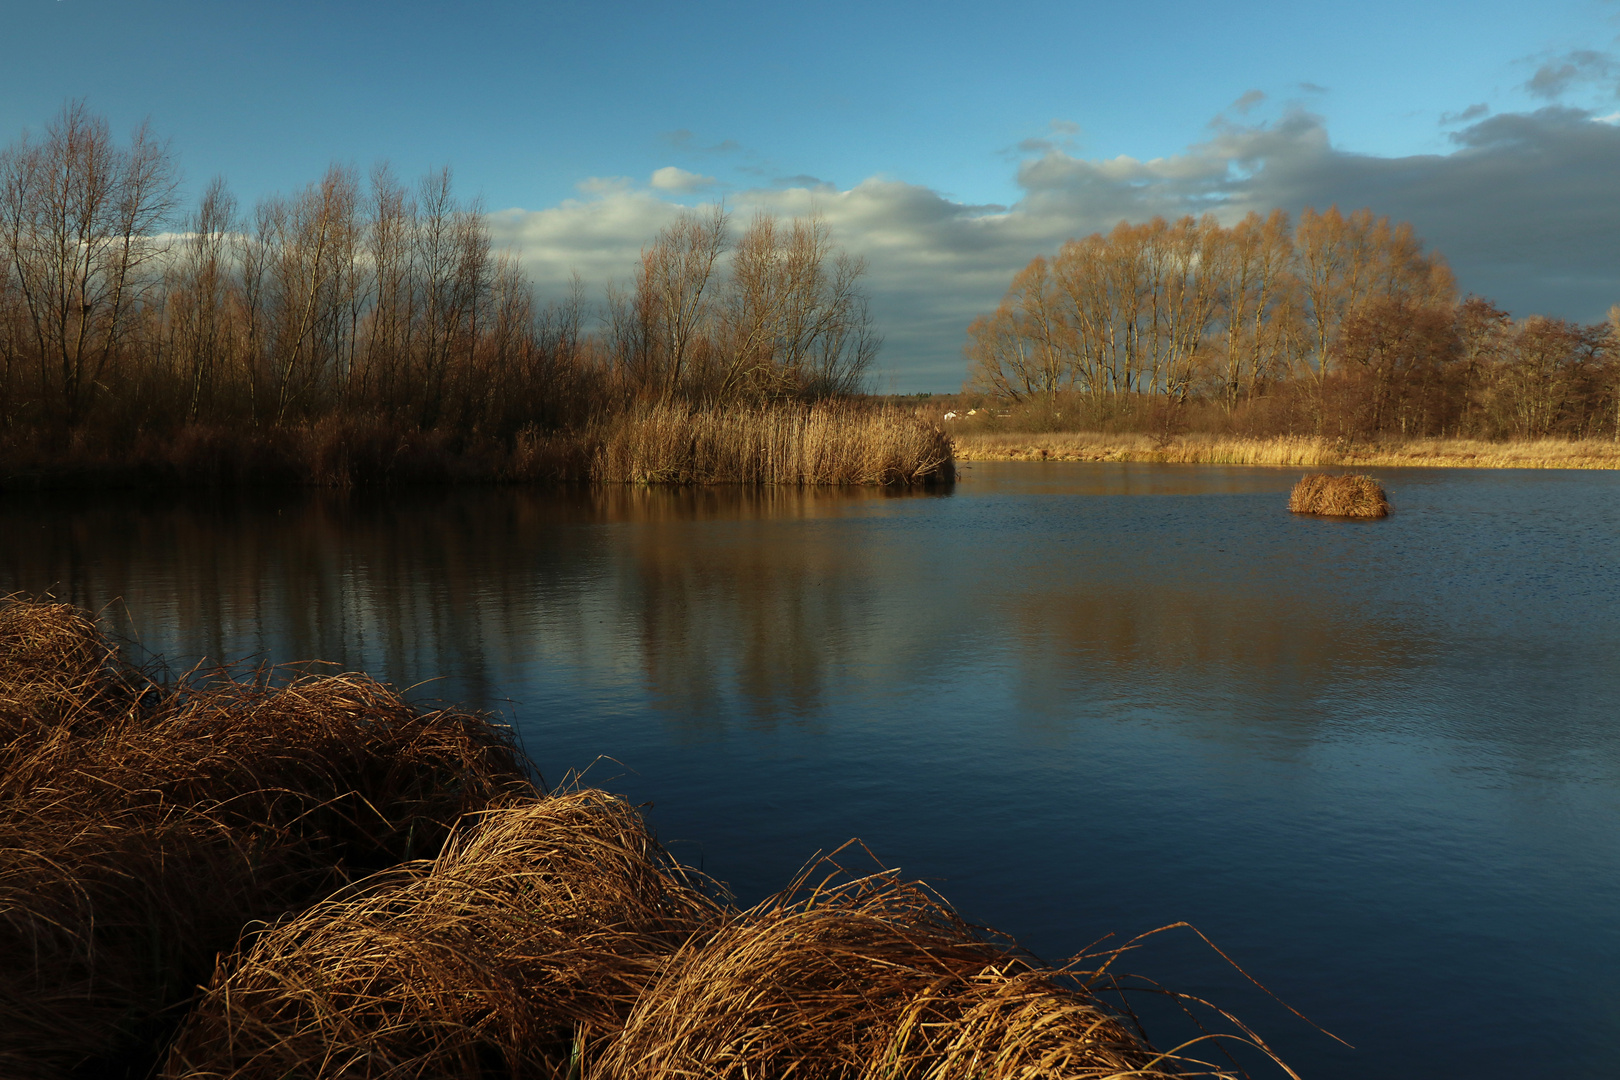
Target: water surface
(1375, 762)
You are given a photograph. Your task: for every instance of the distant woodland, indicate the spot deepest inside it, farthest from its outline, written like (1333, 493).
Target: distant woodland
(1334, 324)
(362, 324)
(364, 309)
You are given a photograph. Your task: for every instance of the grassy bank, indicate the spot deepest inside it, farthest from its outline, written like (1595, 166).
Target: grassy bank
(1289, 450)
(307, 877)
(834, 443)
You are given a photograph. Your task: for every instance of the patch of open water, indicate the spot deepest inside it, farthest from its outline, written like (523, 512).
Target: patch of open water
(1377, 762)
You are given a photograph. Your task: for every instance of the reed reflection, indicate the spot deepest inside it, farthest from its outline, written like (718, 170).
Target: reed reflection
(712, 606)
(722, 599)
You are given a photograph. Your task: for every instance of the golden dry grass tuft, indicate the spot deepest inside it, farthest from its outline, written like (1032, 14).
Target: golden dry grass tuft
(873, 978)
(55, 666)
(526, 941)
(829, 444)
(137, 842)
(1325, 495)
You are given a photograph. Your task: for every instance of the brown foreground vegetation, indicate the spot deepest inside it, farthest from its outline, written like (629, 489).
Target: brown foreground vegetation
(1339, 496)
(307, 877)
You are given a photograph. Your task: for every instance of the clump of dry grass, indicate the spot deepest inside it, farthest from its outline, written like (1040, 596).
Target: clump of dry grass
(526, 941)
(1325, 495)
(54, 666)
(874, 979)
(137, 844)
(829, 444)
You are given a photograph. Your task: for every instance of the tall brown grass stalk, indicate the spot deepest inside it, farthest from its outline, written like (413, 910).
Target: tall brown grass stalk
(773, 444)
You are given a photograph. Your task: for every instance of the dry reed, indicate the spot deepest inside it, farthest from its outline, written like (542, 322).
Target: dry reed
(1324, 495)
(55, 666)
(527, 941)
(1286, 450)
(784, 444)
(872, 979)
(137, 842)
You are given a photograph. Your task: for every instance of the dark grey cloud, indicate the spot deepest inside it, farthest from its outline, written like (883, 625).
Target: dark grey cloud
(685, 140)
(1312, 88)
(1473, 112)
(1576, 67)
(802, 180)
(1248, 101)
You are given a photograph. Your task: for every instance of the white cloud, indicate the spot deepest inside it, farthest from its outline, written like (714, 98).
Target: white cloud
(1525, 207)
(678, 180)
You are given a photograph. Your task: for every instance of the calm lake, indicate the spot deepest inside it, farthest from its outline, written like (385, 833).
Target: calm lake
(1377, 763)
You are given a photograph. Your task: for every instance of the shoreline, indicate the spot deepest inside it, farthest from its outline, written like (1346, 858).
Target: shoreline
(270, 873)
(1286, 451)
(831, 444)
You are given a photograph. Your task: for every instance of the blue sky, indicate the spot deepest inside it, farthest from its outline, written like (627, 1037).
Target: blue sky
(947, 142)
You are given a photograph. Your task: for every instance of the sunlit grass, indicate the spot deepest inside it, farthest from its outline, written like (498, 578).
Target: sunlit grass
(798, 445)
(1292, 450)
(1339, 496)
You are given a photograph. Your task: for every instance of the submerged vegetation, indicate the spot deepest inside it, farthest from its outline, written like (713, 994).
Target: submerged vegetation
(305, 876)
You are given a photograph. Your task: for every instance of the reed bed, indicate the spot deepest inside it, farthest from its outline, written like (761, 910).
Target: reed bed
(526, 942)
(1287, 450)
(1324, 495)
(829, 444)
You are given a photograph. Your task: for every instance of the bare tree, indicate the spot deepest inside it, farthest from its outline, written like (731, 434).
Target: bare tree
(80, 221)
(199, 301)
(671, 284)
(793, 318)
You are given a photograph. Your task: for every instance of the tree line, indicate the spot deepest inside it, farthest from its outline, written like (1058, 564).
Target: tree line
(1339, 324)
(122, 311)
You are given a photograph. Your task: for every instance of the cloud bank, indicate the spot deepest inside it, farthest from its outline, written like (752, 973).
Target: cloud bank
(1525, 206)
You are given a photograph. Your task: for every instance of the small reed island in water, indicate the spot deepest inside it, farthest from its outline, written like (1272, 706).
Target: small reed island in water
(284, 875)
(1325, 495)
